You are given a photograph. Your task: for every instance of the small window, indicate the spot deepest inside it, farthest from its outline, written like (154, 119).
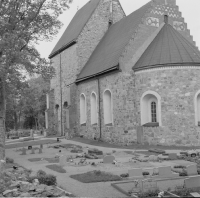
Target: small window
(107, 104)
(94, 117)
(57, 106)
(153, 112)
(83, 114)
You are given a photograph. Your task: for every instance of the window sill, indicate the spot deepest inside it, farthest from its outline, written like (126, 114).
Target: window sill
(109, 125)
(83, 124)
(95, 124)
(151, 124)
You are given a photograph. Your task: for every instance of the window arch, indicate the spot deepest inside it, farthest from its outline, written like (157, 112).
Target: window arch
(83, 109)
(108, 107)
(93, 102)
(150, 106)
(197, 108)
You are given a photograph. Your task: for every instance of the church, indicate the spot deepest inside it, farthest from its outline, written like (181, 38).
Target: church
(126, 79)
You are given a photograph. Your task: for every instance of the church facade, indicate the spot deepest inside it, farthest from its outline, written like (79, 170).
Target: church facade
(126, 79)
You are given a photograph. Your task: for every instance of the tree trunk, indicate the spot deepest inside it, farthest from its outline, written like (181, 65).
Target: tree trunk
(2, 118)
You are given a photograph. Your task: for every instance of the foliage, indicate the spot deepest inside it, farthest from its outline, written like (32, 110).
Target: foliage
(46, 179)
(124, 175)
(145, 173)
(22, 24)
(41, 173)
(96, 176)
(150, 193)
(9, 160)
(179, 166)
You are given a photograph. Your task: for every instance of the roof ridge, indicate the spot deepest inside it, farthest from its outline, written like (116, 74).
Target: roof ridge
(74, 37)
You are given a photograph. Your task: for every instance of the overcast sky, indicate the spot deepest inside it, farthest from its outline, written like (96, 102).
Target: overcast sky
(189, 8)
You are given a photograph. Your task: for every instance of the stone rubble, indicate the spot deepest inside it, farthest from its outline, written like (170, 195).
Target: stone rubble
(13, 183)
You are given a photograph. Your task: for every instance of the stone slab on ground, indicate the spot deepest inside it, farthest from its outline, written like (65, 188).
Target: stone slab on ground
(192, 182)
(165, 172)
(108, 159)
(191, 169)
(135, 172)
(172, 156)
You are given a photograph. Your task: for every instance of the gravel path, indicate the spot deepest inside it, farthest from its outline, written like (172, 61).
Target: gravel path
(101, 189)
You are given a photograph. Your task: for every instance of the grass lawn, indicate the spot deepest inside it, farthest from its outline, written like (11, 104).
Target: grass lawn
(133, 146)
(34, 159)
(30, 143)
(52, 160)
(56, 168)
(95, 176)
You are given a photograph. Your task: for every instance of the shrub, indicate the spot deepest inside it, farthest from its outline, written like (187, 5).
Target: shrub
(145, 173)
(179, 166)
(41, 173)
(124, 175)
(49, 180)
(183, 174)
(150, 193)
(9, 160)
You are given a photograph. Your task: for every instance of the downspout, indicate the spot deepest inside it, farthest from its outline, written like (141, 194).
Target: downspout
(100, 135)
(61, 108)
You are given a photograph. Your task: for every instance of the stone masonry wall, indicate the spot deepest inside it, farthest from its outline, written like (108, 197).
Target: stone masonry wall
(95, 29)
(177, 88)
(121, 86)
(74, 58)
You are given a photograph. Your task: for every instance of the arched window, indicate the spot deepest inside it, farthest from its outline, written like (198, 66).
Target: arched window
(93, 101)
(197, 108)
(83, 113)
(107, 107)
(150, 105)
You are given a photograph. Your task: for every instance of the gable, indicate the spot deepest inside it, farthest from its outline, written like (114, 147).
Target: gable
(75, 27)
(106, 55)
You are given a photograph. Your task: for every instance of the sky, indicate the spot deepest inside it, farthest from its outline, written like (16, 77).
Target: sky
(189, 8)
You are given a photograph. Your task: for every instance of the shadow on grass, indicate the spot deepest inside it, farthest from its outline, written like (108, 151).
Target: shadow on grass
(132, 146)
(96, 176)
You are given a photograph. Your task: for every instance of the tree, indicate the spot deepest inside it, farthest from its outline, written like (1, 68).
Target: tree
(35, 101)
(22, 24)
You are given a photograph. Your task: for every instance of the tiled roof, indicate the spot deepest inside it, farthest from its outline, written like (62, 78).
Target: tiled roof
(169, 48)
(75, 27)
(107, 53)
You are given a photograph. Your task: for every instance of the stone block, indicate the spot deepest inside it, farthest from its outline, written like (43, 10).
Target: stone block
(165, 172)
(108, 159)
(153, 158)
(192, 182)
(40, 150)
(135, 172)
(33, 151)
(191, 169)
(23, 151)
(195, 194)
(172, 156)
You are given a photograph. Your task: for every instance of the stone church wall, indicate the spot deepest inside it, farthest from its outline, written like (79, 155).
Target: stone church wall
(123, 129)
(177, 89)
(74, 58)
